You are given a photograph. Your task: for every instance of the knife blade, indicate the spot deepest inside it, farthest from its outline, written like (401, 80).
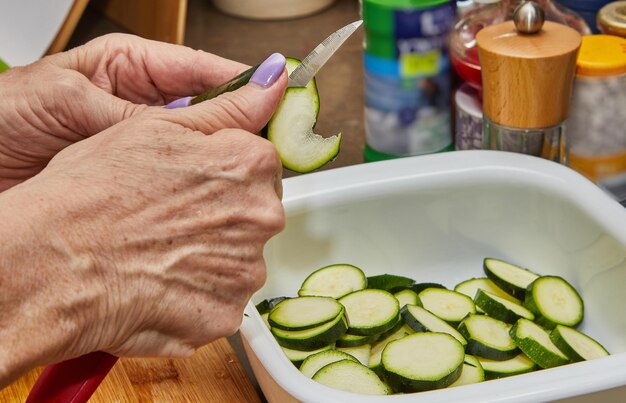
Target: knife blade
(320, 55)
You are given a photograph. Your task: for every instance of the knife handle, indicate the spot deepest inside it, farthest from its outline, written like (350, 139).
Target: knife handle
(72, 381)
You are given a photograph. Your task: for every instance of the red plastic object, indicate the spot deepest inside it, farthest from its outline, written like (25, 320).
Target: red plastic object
(72, 381)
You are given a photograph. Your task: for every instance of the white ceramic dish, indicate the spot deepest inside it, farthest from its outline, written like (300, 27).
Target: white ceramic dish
(434, 218)
(271, 9)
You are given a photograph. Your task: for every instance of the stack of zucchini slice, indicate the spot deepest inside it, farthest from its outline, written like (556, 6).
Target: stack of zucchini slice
(389, 334)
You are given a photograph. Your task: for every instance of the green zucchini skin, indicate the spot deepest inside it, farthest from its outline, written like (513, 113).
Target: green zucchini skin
(516, 291)
(499, 310)
(297, 357)
(535, 349)
(542, 318)
(517, 365)
(352, 377)
(352, 340)
(367, 329)
(294, 340)
(481, 348)
(559, 336)
(315, 362)
(267, 304)
(389, 282)
(232, 85)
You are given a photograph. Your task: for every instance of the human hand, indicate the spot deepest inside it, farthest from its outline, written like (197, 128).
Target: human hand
(67, 97)
(145, 240)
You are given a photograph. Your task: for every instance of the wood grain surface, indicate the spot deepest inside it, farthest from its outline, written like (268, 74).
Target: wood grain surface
(213, 374)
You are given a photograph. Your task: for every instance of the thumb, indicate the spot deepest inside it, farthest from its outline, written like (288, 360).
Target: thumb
(248, 108)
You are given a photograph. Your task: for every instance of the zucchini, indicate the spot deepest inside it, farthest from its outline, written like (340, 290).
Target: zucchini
(472, 372)
(448, 305)
(554, 302)
(351, 376)
(314, 338)
(353, 340)
(488, 337)
(405, 297)
(304, 313)
(314, 362)
(297, 357)
(519, 364)
(291, 129)
(500, 308)
(376, 352)
(469, 288)
(264, 317)
(333, 281)
(509, 277)
(535, 342)
(420, 320)
(576, 345)
(419, 287)
(422, 361)
(268, 304)
(361, 353)
(389, 282)
(370, 311)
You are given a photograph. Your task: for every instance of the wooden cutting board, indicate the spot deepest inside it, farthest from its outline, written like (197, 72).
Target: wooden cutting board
(213, 374)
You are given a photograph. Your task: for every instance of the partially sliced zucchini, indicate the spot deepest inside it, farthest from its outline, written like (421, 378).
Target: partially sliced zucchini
(554, 302)
(472, 372)
(422, 361)
(297, 357)
(469, 288)
(314, 362)
(291, 129)
(352, 377)
(448, 305)
(509, 277)
(576, 345)
(406, 297)
(370, 311)
(314, 338)
(268, 304)
(488, 338)
(361, 353)
(519, 364)
(334, 281)
(500, 308)
(304, 312)
(420, 320)
(535, 342)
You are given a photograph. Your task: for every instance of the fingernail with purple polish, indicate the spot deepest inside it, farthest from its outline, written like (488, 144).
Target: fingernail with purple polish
(179, 103)
(269, 71)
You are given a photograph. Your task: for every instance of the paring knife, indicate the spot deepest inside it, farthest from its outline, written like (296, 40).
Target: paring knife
(77, 379)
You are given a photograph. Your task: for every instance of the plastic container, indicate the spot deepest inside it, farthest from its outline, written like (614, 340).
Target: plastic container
(463, 51)
(271, 9)
(434, 218)
(597, 122)
(407, 77)
(611, 19)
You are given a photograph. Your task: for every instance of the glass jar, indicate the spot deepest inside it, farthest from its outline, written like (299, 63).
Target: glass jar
(611, 19)
(597, 121)
(463, 51)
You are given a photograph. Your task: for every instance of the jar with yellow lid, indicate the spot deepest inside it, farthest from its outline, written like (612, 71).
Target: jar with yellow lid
(597, 121)
(611, 19)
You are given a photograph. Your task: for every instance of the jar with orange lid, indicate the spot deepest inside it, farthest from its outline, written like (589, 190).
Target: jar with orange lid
(597, 121)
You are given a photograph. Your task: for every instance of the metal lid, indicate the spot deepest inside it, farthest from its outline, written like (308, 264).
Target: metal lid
(601, 56)
(611, 18)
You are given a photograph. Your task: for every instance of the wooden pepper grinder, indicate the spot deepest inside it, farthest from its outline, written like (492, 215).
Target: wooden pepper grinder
(528, 68)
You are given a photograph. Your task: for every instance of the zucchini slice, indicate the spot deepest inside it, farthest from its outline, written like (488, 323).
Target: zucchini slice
(488, 337)
(297, 357)
(315, 362)
(264, 317)
(519, 364)
(469, 288)
(314, 338)
(370, 311)
(388, 282)
(291, 129)
(268, 304)
(554, 302)
(376, 352)
(472, 372)
(361, 353)
(304, 312)
(509, 277)
(448, 305)
(535, 342)
(420, 320)
(500, 308)
(352, 377)
(333, 281)
(576, 345)
(423, 361)
(405, 297)
(353, 340)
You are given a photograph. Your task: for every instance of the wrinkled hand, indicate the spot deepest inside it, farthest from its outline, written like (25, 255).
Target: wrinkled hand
(70, 96)
(146, 239)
